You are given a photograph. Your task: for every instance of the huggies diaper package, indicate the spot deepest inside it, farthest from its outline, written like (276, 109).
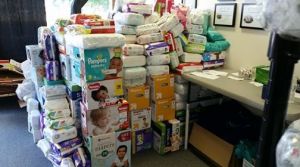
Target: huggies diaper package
(135, 76)
(157, 70)
(133, 50)
(160, 59)
(169, 38)
(100, 121)
(150, 38)
(65, 66)
(34, 53)
(56, 136)
(147, 29)
(66, 148)
(162, 87)
(157, 48)
(112, 149)
(163, 109)
(189, 67)
(141, 119)
(97, 94)
(141, 140)
(138, 97)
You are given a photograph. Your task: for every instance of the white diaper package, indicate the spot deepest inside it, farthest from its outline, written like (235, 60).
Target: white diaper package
(141, 8)
(153, 18)
(177, 30)
(195, 28)
(59, 123)
(53, 90)
(93, 41)
(180, 98)
(41, 32)
(179, 48)
(45, 146)
(197, 39)
(35, 119)
(36, 135)
(135, 76)
(180, 106)
(32, 104)
(196, 17)
(125, 29)
(133, 19)
(133, 61)
(181, 89)
(56, 104)
(170, 23)
(179, 79)
(130, 39)
(147, 29)
(174, 60)
(158, 59)
(190, 58)
(163, 19)
(158, 70)
(150, 38)
(55, 114)
(56, 136)
(133, 49)
(65, 66)
(29, 127)
(67, 162)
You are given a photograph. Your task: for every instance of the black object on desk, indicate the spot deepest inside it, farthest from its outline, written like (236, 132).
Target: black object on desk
(283, 54)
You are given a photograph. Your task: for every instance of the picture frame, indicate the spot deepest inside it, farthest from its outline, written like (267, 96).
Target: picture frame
(250, 13)
(225, 14)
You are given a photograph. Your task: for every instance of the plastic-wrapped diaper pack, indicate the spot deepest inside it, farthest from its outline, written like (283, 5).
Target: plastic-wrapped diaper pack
(181, 89)
(125, 29)
(174, 60)
(156, 48)
(52, 70)
(65, 66)
(144, 9)
(191, 57)
(153, 18)
(158, 59)
(35, 119)
(194, 48)
(179, 49)
(170, 23)
(157, 70)
(45, 146)
(56, 136)
(67, 162)
(178, 29)
(130, 39)
(55, 114)
(133, 19)
(51, 50)
(66, 148)
(133, 50)
(134, 76)
(80, 158)
(92, 41)
(147, 29)
(56, 104)
(133, 61)
(150, 38)
(195, 29)
(53, 90)
(32, 104)
(59, 123)
(197, 39)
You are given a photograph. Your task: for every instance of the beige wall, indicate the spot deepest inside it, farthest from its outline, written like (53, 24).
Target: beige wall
(248, 47)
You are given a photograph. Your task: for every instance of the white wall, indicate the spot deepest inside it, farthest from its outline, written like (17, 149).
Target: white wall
(248, 47)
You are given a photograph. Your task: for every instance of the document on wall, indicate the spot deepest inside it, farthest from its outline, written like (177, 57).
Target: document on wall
(205, 75)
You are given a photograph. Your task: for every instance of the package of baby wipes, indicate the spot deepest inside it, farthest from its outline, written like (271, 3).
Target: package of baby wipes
(56, 136)
(59, 123)
(56, 104)
(55, 114)
(195, 28)
(53, 90)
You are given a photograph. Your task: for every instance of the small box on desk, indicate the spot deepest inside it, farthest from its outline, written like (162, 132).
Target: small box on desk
(262, 74)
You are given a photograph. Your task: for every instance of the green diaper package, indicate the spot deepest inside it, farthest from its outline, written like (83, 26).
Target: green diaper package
(194, 48)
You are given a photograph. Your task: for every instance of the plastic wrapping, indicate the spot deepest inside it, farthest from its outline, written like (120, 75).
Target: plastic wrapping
(282, 16)
(32, 104)
(133, 19)
(26, 68)
(288, 147)
(26, 88)
(152, 18)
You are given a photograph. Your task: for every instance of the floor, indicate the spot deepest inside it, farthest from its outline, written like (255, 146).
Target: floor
(18, 150)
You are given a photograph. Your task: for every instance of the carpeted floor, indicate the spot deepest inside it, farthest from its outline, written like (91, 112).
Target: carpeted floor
(18, 150)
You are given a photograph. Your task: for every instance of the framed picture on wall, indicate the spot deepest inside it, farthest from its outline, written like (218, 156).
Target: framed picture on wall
(250, 16)
(225, 14)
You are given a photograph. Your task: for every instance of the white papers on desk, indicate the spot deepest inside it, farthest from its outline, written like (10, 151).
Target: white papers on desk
(257, 84)
(235, 78)
(205, 75)
(217, 73)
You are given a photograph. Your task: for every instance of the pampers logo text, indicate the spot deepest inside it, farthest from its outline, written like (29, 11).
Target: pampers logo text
(99, 62)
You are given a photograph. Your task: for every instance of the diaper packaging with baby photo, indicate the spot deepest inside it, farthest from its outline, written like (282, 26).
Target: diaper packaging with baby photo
(105, 120)
(141, 140)
(101, 93)
(111, 149)
(141, 119)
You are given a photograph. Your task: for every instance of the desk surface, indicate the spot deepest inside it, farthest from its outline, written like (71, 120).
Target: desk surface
(241, 91)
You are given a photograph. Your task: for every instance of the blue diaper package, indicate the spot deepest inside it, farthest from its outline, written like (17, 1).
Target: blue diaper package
(99, 64)
(75, 70)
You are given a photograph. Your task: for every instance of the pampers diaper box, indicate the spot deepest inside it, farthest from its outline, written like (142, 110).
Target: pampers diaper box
(141, 140)
(99, 64)
(138, 97)
(98, 94)
(111, 149)
(105, 120)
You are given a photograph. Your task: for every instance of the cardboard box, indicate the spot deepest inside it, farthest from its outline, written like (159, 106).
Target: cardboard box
(141, 140)
(159, 137)
(99, 64)
(141, 119)
(105, 120)
(175, 138)
(262, 74)
(104, 148)
(98, 94)
(138, 97)
(212, 146)
(162, 87)
(163, 110)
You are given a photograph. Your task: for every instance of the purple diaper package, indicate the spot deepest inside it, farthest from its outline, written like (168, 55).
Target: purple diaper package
(66, 148)
(42, 124)
(54, 158)
(80, 158)
(157, 48)
(141, 140)
(51, 49)
(52, 70)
